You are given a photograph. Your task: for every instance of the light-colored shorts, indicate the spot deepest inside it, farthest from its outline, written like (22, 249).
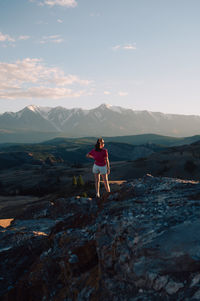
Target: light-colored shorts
(99, 169)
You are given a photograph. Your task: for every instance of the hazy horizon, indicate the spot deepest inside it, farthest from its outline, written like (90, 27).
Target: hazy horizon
(142, 55)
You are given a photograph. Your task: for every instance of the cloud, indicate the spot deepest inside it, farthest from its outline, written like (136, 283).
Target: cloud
(116, 47)
(129, 47)
(59, 21)
(51, 39)
(125, 47)
(42, 92)
(106, 92)
(24, 37)
(64, 3)
(30, 78)
(121, 93)
(6, 38)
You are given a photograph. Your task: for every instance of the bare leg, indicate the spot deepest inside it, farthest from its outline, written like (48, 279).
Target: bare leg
(97, 183)
(106, 183)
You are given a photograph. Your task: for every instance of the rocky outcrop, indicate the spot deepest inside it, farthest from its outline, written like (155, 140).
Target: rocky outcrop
(140, 243)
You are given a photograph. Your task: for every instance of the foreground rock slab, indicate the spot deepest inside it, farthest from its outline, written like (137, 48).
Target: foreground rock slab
(141, 243)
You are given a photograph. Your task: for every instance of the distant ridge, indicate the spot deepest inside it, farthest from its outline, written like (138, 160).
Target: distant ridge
(36, 124)
(165, 141)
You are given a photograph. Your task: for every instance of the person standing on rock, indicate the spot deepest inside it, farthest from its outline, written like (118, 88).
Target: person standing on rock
(101, 165)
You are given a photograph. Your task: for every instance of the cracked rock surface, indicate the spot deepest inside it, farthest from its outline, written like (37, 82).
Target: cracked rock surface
(141, 243)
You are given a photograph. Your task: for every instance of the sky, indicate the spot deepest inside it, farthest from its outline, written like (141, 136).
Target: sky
(138, 54)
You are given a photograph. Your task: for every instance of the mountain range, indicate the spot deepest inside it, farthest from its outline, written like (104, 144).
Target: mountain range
(35, 123)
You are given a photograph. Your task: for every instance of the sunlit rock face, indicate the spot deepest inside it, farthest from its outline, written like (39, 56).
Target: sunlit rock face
(140, 243)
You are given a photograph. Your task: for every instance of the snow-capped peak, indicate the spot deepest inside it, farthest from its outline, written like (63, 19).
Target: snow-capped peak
(116, 109)
(33, 108)
(105, 106)
(44, 111)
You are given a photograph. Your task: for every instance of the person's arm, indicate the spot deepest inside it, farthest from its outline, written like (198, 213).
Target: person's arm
(108, 165)
(89, 156)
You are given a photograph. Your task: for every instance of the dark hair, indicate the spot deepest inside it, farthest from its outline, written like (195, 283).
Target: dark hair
(97, 145)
